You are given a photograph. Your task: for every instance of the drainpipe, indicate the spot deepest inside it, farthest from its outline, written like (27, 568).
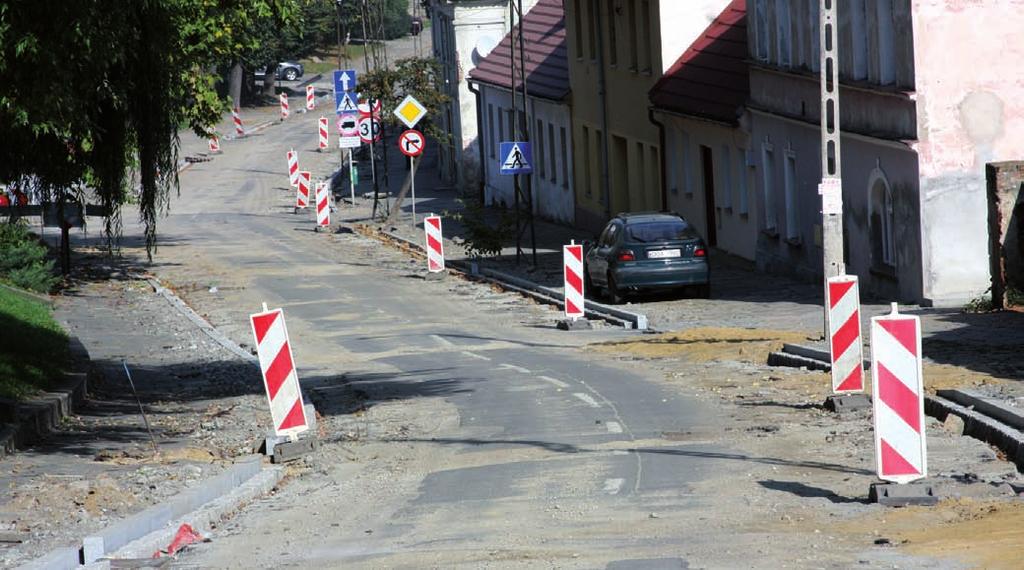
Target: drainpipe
(602, 96)
(661, 145)
(475, 90)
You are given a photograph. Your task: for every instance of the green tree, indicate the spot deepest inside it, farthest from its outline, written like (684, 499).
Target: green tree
(95, 92)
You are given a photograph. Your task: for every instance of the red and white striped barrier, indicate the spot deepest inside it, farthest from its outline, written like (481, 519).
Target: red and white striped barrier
(323, 141)
(279, 375)
(845, 343)
(900, 447)
(435, 243)
(293, 168)
(323, 206)
(302, 195)
(284, 105)
(310, 98)
(572, 259)
(214, 144)
(236, 116)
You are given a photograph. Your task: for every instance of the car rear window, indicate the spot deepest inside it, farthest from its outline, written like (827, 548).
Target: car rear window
(659, 231)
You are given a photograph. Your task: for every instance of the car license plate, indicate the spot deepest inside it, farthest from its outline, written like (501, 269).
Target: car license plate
(663, 254)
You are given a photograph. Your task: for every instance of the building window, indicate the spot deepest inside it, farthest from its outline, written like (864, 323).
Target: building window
(552, 165)
(585, 148)
(685, 164)
(783, 30)
(882, 223)
(768, 186)
(886, 43)
(761, 28)
(632, 35)
(599, 159)
(789, 178)
(592, 9)
(671, 171)
(501, 126)
(490, 131)
(613, 40)
(726, 162)
(577, 8)
(539, 137)
(655, 169)
(646, 38)
(743, 204)
(565, 160)
(859, 37)
(813, 18)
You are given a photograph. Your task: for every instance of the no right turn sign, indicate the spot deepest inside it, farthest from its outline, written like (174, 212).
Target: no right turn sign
(411, 143)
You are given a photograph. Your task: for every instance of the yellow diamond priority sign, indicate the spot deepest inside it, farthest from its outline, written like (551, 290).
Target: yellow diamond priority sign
(410, 111)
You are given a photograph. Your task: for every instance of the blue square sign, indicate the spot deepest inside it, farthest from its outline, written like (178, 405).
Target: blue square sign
(515, 157)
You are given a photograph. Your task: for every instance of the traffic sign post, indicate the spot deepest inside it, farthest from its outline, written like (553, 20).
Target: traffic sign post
(410, 111)
(516, 158)
(348, 129)
(369, 130)
(411, 144)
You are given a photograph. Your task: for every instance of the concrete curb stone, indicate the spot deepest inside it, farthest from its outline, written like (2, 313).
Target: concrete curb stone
(28, 421)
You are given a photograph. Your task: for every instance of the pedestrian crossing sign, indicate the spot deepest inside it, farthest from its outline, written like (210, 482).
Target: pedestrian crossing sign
(346, 104)
(516, 158)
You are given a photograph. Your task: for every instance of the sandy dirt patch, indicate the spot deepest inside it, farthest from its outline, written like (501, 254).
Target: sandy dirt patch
(706, 344)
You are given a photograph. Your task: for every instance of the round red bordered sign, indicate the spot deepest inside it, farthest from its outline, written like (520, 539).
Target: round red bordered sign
(411, 143)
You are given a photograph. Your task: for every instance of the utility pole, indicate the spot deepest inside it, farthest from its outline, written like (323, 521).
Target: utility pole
(520, 129)
(831, 187)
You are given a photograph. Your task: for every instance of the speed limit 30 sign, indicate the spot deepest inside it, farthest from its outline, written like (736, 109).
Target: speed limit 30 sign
(369, 130)
(411, 143)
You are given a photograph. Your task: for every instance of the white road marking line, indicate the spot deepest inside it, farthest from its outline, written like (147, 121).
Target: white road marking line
(613, 427)
(613, 486)
(587, 398)
(558, 383)
(441, 340)
(474, 355)
(619, 452)
(519, 369)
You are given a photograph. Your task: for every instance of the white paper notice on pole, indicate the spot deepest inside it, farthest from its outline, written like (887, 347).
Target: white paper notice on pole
(831, 191)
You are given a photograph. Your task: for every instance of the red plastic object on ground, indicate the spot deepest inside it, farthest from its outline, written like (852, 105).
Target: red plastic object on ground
(186, 535)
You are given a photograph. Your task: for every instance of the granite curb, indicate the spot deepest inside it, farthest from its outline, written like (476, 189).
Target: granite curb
(28, 421)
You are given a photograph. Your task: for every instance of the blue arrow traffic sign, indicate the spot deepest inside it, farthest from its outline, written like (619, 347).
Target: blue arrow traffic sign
(344, 90)
(516, 158)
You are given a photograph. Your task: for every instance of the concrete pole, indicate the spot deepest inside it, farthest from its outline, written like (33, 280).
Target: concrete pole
(831, 173)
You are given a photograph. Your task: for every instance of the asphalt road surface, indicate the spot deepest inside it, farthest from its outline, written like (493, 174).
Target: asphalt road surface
(461, 429)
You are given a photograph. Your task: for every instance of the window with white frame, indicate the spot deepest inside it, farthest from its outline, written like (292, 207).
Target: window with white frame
(725, 195)
(565, 159)
(886, 43)
(686, 166)
(552, 165)
(789, 179)
(539, 136)
(783, 31)
(761, 29)
(671, 164)
(491, 135)
(768, 186)
(742, 204)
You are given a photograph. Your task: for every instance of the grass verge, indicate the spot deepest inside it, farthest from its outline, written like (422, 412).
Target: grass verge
(33, 347)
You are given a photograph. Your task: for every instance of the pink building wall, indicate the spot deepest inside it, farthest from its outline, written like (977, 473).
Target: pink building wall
(969, 66)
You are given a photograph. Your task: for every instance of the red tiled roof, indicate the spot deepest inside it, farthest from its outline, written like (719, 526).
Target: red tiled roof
(547, 65)
(710, 79)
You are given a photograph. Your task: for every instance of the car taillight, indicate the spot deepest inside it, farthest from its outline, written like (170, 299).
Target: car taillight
(700, 252)
(626, 256)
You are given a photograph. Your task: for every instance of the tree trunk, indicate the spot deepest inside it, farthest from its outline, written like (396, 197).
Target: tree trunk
(268, 81)
(235, 85)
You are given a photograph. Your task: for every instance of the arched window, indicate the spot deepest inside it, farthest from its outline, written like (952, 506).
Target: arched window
(882, 222)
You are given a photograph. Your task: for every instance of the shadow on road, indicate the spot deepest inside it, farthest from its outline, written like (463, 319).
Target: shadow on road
(809, 491)
(670, 451)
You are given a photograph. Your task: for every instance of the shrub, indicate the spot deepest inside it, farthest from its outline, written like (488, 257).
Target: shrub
(23, 260)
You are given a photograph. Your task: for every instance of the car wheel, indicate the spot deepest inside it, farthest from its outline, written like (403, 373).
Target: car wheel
(614, 294)
(291, 74)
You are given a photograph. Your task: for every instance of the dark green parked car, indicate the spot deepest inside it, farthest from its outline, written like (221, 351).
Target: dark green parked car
(647, 251)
